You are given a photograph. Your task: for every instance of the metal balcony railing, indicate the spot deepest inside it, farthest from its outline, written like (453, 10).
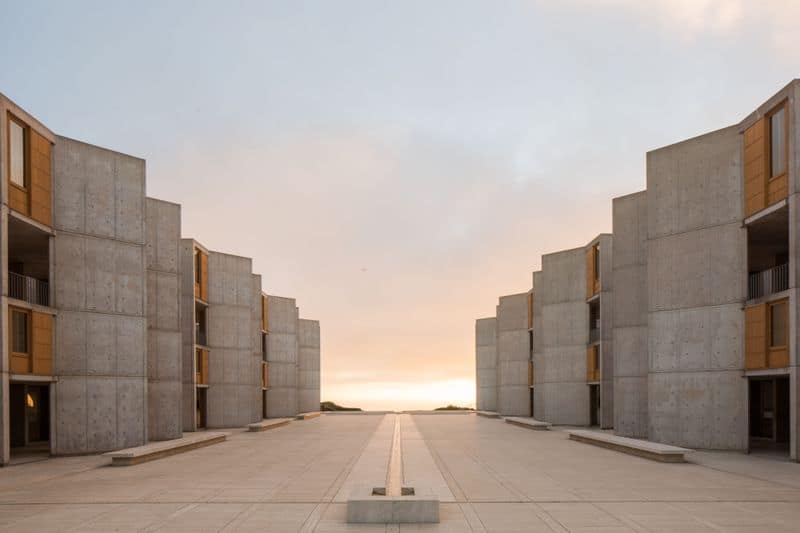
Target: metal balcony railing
(766, 282)
(28, 289)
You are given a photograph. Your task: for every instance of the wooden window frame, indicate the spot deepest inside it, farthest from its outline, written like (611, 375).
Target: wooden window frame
(28, 331)
(783, 106)
(26, 153)
(770, 307)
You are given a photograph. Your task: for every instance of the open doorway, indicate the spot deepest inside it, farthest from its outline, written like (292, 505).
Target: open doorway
(531, 400)
(200, 408)
(769, 414)
(29, 410)
(594, 405)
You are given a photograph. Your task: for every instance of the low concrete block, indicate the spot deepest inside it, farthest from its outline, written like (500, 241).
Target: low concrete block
(365, 508)
(487, 414)
(158, 450)
(641, 448)
(530, 423)
(272, 423)
(307, 416)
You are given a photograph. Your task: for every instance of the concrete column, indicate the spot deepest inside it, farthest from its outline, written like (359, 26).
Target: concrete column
(538, 348)
(187, 327)
(282, 357)
(630, 358)
(99, 280)
(486, 364)
(231, 330)
(696, 264)
(308, 365)
(164, 357)
(561, 371)
(513, 394)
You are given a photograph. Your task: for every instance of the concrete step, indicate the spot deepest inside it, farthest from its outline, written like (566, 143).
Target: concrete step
(641, 448)
(488, 414)
(164, 448)
(526, 422)
(308, 416)
(271, 423)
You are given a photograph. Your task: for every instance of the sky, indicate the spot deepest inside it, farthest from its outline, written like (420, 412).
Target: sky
(395, 166)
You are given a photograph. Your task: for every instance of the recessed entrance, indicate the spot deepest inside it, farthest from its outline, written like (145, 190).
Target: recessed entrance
(200, 408)
(29, 410)
(531, 400)
(264, 404)
(594, 405)
(769, 414)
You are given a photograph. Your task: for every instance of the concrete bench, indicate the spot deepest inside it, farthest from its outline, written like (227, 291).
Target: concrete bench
(487, 414)
(308, 416)
(641, 448)
(272, 423)
(530, 423)
(164, 448)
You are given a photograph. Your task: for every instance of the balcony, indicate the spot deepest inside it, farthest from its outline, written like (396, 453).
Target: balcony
(770, 281)
(594, 333)
(28, 289)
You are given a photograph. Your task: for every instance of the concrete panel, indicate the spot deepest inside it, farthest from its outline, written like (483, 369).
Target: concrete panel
(164, 338)
(282, 349)
(486, 364)
(561, 395)
(695, 184)
(696, 271)
(100, 341)
(308, 366)
(630, 315)
(513, 354)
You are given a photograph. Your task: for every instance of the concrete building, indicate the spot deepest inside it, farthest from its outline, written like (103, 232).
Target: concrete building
(697, 337)
(115, 331)
(513, 355)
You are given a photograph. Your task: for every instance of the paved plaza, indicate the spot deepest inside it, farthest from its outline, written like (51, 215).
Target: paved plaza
(497, 477)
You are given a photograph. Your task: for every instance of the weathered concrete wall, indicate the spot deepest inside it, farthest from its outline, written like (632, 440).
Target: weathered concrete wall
(99, 280)
(696, 271)
(561, 393)
(513, 354)
(187, 322)
(606, 331)
(164, 358)
(486, 364)
(233, 376)
(308, 364)
(282, 356)
(630, 315)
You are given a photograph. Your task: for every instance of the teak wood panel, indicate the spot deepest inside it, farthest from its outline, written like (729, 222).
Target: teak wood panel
(590, 272)
(202, 366)
(264, 314)
(778, 356)
(592, 372)
(18, 197)
(530, 373)
(755, 167)
(41, 179)
(755, 337)
(42, 330)
(204, 276)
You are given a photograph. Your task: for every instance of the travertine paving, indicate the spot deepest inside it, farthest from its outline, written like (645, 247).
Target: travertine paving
(501, 477)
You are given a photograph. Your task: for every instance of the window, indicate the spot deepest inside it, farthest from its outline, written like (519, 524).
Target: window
(16, 153)
(20, 326)
(777, 143)
(777, 324)
(596, 357)
(197, 266)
